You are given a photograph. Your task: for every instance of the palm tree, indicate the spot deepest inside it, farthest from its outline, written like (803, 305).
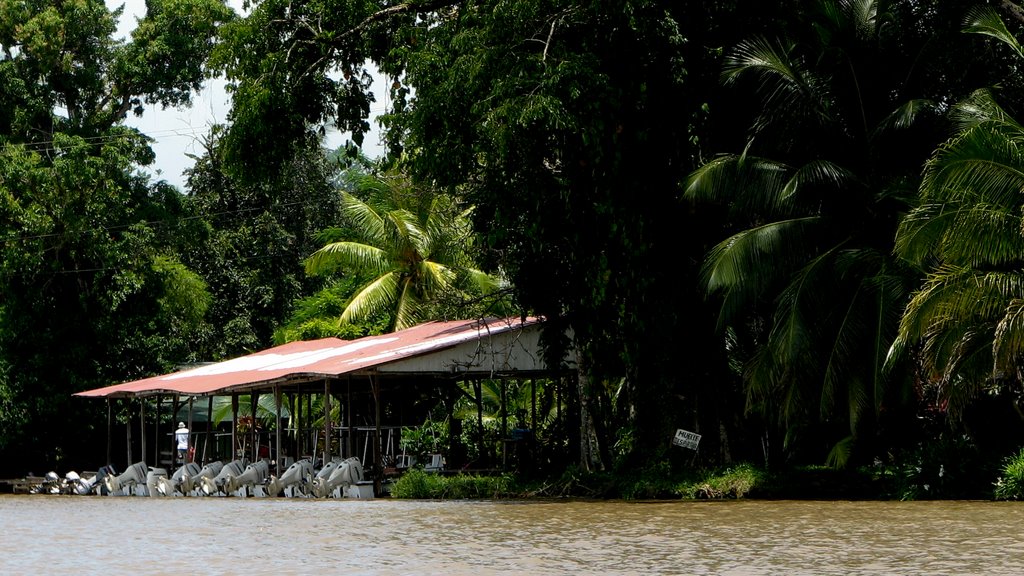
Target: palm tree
(411, 249)
(808, 283)
(967, 319)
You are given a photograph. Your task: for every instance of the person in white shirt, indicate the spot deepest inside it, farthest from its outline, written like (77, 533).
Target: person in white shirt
(181, 441)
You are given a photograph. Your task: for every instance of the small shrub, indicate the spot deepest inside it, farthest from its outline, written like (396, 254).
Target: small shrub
(417, 484)
(735, 482)
(1010, 485)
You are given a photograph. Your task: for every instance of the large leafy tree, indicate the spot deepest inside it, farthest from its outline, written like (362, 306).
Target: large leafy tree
(411, 250)
(965, 322)
(808, 285)
(567, 124)
(248, 241)
(91, 291)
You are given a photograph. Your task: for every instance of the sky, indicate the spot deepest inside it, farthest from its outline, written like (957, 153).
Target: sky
(178, 132)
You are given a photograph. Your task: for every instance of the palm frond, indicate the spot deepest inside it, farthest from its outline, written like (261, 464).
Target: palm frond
(433, 277)
(980, 106)
(986, 21)
(905, 116)
(368, 222)
(748, 184)
(920, 232)
(864, 17)
(983, 161)
(357, 256)
(376, 296)
(753, 259)
(817, 174)
(1008, 343)
(782, 82)
(407, 303)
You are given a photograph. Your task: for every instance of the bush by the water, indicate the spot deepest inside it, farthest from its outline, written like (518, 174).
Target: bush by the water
(417, 484)
(1010, 485)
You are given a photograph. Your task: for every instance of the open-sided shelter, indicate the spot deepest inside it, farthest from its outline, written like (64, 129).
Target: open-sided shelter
(442, 350)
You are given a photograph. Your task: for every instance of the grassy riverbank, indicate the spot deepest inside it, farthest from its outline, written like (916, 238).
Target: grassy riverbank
(739, 481)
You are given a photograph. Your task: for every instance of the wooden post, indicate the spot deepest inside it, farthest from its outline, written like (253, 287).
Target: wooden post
(175, 404)
(277, 433)
(481, 446)
(128, 432)
(191, 432)
(234, 425)
(209, 429)
(297, 421)
(351, 426)
(327, 421)
(504, 425)
(142, 426)
(533, 406)
(308, 413)
(377, 480)
(254, 398)
(110, 429)
(156, 432)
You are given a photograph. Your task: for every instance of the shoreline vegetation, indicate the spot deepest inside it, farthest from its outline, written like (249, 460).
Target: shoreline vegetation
(741, 481)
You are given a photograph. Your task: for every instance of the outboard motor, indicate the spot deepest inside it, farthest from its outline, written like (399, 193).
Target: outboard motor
(298, 473)
(75, 484)
(51, 484)
(153, 477)
(171, 486)
(213, 485)
(255, 474)
(347, 473)
(122, 484)
(190, 482)
(100, 480)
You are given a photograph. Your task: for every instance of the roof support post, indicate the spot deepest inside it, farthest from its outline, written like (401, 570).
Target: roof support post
(277, 433)
(296, 406)
(254, 398)
(533, 406)
(142, 426)
(190, 431)
(327, 421)
(234, 425)
(310, 432)
(128, 432)
(478, 392)
(175, 405)
(156, 432)
(110, 428)
(377, 484)
(209, 428)
(504, 424)
(351, 427)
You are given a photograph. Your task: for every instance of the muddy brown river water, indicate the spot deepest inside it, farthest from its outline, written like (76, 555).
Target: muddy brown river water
(72, 535)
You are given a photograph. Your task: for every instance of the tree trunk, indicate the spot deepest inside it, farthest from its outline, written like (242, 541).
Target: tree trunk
(590, 454)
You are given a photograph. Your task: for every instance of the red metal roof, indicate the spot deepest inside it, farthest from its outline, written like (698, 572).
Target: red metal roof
(313, 359)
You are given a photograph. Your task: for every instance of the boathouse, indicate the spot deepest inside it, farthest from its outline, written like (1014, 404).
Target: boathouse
(377, 380)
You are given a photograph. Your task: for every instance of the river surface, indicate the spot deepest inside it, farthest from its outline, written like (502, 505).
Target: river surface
(70, 535)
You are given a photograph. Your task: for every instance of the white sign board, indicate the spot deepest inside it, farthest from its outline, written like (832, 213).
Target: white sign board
(686, 439)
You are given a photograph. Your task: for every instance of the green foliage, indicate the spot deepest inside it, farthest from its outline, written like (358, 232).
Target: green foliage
(317, 316)
(94, 290)
(808, 278)
(411, 249)
(966, 317)
(420, 442)
(734, 482)
(250, 244)
(948, 466)
(417, 484)
(1010, 485)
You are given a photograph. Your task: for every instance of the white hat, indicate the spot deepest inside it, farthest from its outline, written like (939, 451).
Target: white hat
(181, 424)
